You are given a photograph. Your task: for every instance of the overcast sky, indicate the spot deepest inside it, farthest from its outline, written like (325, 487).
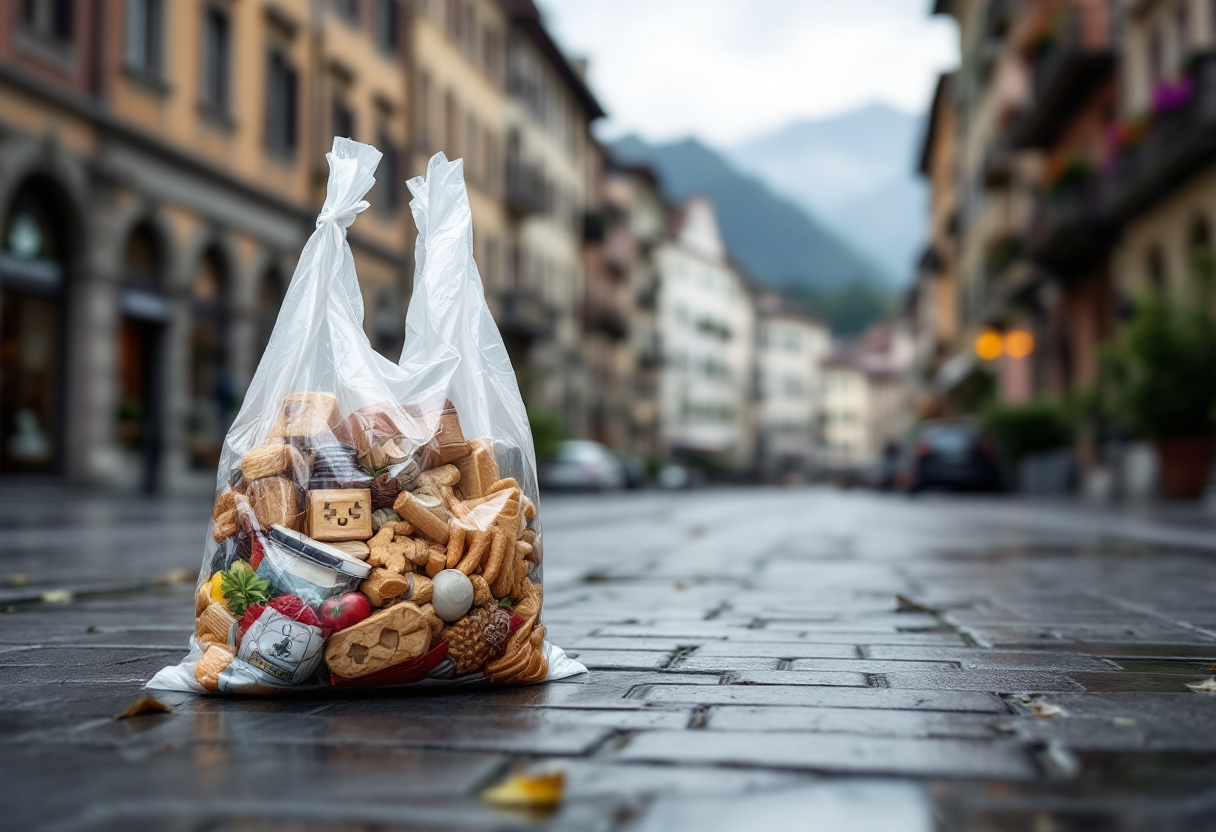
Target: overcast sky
(727, 70)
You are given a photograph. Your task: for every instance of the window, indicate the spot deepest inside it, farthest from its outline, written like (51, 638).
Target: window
(143, 52)
(282, 84)
(342, 119)
(451, 126)
(389, 178)
(217, 55)
(1182, 36)
(1157, 272)
(50, 19)
(388, 26)
(349, 9)
(472, 163)
(423, 106)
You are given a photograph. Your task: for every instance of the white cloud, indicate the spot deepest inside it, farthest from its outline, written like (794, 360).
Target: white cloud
(726, 70)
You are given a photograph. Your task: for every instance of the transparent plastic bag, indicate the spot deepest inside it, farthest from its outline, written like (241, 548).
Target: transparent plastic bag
(376, 524)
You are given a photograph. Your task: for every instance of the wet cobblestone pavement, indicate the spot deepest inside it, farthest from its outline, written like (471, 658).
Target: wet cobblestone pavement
(763, 659)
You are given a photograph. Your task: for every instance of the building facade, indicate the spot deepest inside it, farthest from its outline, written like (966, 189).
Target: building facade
(153, 202)
(791, 345)
(867, 398)
(552, 174)
(706, 318)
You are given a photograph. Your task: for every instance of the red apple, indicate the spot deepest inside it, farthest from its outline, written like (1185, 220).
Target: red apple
(342, 611)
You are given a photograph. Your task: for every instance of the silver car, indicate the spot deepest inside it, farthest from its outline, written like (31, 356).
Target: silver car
(580, 464)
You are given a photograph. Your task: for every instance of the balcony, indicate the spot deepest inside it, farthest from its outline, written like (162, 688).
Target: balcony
(1069, 68)
(1072, 227)
(648, 296)
(997, 169)
(605, 308)
(1176, 146)
(523, 316)
(525, 189)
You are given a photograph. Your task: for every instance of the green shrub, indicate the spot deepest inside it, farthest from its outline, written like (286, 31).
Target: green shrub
(1045, 425)
(1162, 369)
(548, 431)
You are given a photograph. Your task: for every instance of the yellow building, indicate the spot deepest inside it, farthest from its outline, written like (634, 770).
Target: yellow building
(160, 170)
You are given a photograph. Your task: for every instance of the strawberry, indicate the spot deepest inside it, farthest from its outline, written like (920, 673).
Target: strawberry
(289, 606)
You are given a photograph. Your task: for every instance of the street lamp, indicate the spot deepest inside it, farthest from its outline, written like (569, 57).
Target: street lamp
(1019, 343)
(989, 345)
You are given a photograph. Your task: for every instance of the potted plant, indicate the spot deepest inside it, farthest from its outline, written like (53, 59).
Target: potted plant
(1164, 366)
(1035, 441)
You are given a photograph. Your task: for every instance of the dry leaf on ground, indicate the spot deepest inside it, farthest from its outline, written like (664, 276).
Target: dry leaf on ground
(528, 791)
(147, 705)
(905, 604)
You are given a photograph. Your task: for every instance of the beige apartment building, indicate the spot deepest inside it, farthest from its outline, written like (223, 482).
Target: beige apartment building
(160, 169)
(791, 345)
(552, 172)
(706, 317)
(1164, 187)
(866, 406)
(458, 70)
(636, 223)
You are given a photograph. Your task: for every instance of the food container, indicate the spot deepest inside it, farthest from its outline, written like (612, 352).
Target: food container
(298, 565)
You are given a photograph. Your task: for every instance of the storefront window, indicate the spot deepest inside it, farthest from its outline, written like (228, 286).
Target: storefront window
(32, 273)
(213, 398)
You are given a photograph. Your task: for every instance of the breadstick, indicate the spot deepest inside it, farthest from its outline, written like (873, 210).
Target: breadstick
(456, 537)
(477, 550)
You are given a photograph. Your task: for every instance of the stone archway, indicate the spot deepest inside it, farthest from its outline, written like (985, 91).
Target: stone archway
(212, 393)
(145, 313)
(37, 252)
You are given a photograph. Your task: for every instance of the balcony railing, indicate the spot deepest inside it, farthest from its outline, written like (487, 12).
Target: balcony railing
(524, 316)
(605, 308)
(1176, 146)
(525, 189)
(997, 168)
(1072, 227)
(1066, 72)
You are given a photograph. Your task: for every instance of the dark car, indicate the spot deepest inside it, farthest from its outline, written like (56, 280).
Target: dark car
(954, 456)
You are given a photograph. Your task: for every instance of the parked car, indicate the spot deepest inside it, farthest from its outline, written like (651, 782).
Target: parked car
(884, 474)
(954, 456)
(580, 464)
(673, 477)
(635, 470)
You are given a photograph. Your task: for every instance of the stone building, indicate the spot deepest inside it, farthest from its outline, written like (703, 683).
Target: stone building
(635, 226)
(153, 201)
(791, 345)
(1164, 189)
(551, 176)
(866, 396)
(706, 317)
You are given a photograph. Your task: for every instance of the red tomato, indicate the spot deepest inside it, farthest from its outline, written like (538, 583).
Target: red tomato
(346, 610)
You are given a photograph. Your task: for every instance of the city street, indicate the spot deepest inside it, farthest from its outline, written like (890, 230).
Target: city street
(761, 659)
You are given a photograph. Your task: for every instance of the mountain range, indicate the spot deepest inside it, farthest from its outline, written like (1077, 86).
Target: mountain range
(776, 241)
(855, 173)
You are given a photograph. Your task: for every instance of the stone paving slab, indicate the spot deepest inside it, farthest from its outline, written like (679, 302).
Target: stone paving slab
(823, 697)
(874, 722)
(745, 675)
(837, 753)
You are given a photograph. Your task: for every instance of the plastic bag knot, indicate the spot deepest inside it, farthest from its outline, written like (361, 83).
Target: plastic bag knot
(343, 218)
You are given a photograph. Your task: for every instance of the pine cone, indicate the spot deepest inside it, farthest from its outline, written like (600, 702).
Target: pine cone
(479, 637)
(384, 491)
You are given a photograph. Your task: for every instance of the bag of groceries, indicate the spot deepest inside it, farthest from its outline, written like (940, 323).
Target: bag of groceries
(374, 523)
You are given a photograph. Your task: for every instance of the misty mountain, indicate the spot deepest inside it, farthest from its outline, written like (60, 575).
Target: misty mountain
(776, 242)
(856, 174)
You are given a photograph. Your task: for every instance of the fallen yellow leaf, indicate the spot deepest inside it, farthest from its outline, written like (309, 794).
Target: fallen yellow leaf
(147, 705)
(528, 791)
(1206, 686)
(58, 596)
